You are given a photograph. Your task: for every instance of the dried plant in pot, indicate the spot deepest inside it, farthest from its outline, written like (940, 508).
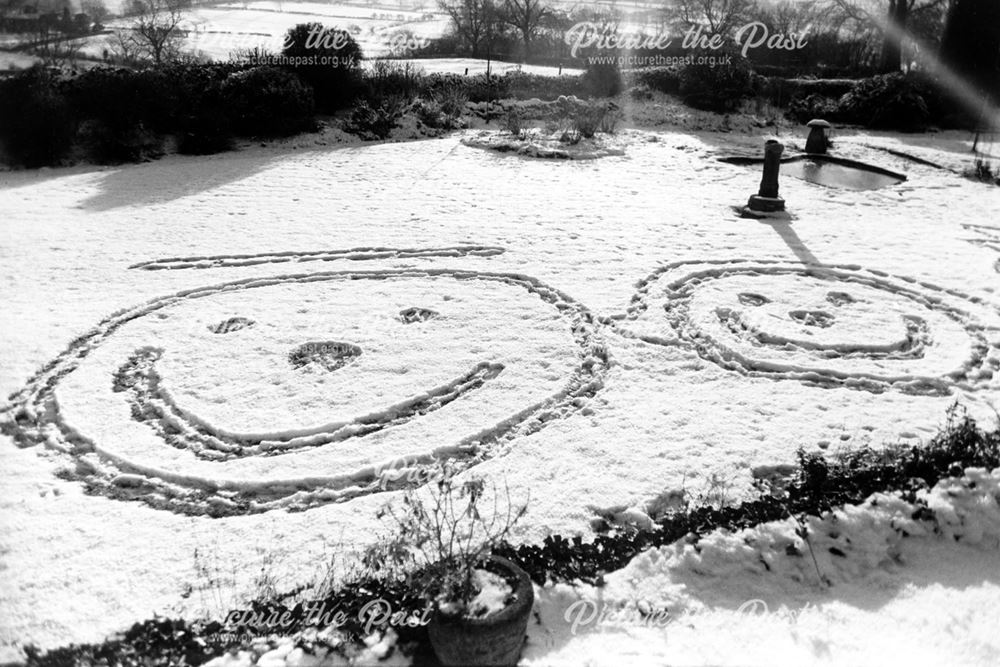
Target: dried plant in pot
(441, 544)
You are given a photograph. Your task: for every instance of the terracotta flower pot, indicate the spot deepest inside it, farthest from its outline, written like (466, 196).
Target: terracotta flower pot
(493, 640)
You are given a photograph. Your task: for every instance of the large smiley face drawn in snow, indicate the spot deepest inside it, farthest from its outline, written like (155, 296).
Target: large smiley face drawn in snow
(824, 325)
(298, 390)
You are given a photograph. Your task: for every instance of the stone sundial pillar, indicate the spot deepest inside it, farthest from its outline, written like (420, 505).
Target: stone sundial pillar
(767, 198)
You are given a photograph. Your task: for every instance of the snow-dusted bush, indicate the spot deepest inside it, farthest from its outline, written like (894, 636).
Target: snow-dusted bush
(587, 120)
(327, 59)
(429, 113)
(206, 127)
(513, 121)
(386, 78)
(715, 86)
(982, 170)
(268, 102)
(890, 101)
(603, 79)
(36, 121)
(664, 79)
(121, 98)
(804, 109)
(123, 113)
(438, 542)
(525, 86)
(483, 88)
(452, 100)
(376, 122)
(437, 115)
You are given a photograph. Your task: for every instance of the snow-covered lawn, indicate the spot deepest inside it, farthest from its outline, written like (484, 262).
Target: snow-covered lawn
(296, 327)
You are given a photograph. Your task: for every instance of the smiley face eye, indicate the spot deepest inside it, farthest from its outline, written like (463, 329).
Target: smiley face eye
(840, 298)
(230, 325)
(329, 355)
(415, 314)
(751, 299)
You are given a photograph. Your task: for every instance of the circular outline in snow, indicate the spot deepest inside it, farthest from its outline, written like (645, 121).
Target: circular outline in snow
(691, 274)
(37, 419)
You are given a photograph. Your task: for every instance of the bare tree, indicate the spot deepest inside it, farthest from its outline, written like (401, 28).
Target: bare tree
(891, 19)
(474, 21)
(525, 16)
(124, 47)
(793, 16)
(58, 50)
(719, 17)
(95, 10)
(157, 28)
(7, 7)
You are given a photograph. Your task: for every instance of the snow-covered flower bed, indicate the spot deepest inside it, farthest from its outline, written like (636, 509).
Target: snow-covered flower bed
(538, 143)
(786, 570)
(777, 578)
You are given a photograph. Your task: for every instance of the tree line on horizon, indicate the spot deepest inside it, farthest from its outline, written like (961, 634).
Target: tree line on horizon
(861, 37)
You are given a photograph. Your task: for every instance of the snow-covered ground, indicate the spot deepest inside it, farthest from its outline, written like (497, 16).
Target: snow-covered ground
(10, 60)
(291, 327)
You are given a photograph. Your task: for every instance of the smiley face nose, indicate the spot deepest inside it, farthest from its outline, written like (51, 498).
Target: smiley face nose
(329, 355)
(812, 318)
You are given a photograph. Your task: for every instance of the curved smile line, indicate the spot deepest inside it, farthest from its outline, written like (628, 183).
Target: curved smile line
(152, 405)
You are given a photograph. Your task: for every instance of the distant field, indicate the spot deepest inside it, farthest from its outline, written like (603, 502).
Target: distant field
(216, 31)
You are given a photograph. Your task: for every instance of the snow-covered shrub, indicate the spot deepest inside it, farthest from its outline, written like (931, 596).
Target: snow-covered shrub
(587, 121)
(444, 108)
(123, 111)
(121, 98)
(36, 120)
(525, 86)
(199, 115)
(438, 543)
(268, 102)
(804, 109)
(327, 59)
(452, 100)
(435, 82)
(483, 88)
(612, 116)
(513, 121)
(640, 92)
(982, 170)
(890, 101)
(106, 144)
(206, 127)
(376, 122)
(715, 86)
(603, 79)
(664, 79)
(386, 78)
(429, 113)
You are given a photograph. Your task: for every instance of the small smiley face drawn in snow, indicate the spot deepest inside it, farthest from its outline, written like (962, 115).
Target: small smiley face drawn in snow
(824, 325)
(298, 390)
